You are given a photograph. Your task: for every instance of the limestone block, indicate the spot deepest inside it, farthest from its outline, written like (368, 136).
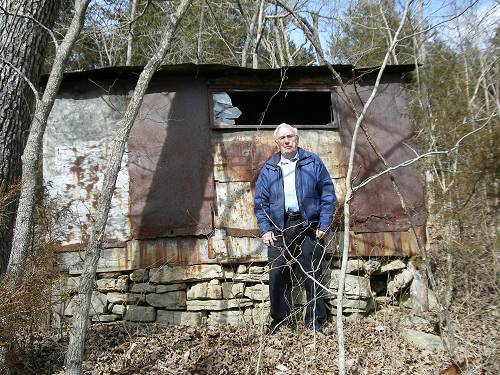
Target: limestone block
(140, 314)
(422, 340)
(228, 273)
(113, 285)
(258, 269)
(214, 290)
(371, 266)
(233, 317)
(354, 266)
(170, 288)
(251, 278)
(354, 285)
(72, 284)
(127, 298)
(140, 275)
(241, 269)
(119, 309)
(143, 288)
(106, 318)
(185, 318)
(172, 300)
(352, 304)
(197, 291)
(232, 290)
(218, 305)
(416, 322)
(179, 274)
(98, 304)
(400, 281)
(395, 265)
(108, 275)
(259, 292)
(261, 313)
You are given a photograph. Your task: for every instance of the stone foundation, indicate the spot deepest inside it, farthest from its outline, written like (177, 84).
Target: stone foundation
(224, 294)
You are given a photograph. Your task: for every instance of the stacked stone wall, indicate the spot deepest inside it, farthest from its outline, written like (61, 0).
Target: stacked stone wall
(227, 294)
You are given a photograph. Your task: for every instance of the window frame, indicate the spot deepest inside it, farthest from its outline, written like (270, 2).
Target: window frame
(333, 99)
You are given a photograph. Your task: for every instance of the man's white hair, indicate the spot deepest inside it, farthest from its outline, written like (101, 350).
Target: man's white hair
(285, 125)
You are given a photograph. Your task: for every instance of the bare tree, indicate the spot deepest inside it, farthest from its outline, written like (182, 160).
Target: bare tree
(130, 37)
(74, 355)
(24, 34)
(32, 152)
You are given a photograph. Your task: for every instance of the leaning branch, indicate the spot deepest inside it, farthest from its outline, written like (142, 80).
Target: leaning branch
(74, 355)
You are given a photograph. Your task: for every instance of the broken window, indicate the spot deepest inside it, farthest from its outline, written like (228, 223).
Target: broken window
(252, 108)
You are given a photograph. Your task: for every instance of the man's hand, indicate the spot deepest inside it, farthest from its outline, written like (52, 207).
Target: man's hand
(320, 234)
(269, 238)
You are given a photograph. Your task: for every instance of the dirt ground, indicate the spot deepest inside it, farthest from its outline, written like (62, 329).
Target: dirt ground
(373, 346)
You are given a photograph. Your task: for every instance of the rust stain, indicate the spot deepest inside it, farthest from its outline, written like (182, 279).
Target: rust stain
(77, 167)
(385, 243)
(162, 251)
(241, 158)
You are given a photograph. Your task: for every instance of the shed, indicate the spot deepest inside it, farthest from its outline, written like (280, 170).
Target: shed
(184, 195)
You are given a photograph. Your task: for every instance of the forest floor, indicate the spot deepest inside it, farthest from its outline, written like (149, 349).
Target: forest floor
(374, 345)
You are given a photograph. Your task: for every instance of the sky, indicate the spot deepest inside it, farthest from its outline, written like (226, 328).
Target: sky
(440, 13)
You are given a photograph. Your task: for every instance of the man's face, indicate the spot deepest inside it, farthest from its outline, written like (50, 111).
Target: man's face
(287, 142)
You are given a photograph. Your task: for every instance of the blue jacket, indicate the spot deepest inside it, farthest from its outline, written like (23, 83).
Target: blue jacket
(314, 188)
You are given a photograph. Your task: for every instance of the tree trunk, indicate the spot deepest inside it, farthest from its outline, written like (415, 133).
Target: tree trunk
(23, 43)
(74, 355)
(33, 150)
(130, 36)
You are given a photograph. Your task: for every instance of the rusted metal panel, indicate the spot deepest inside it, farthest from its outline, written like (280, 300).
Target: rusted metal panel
(239, 156)
(377, 244)
(234, 206)
(376, 207)
(76, 149)
(142, 254)
(170, 162)
(158, 252)
(237, 160)
(228, 249)
(110, 260)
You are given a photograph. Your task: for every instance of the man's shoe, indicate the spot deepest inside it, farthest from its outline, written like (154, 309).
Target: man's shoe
(316, 328)
(275, 328)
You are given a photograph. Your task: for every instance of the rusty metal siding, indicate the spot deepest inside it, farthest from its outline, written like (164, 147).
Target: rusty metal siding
(181, 175)
(376, 207)
(76, 149)
(238, 157)
(170, 162)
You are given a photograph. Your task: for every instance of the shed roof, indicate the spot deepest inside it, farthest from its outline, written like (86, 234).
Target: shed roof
(218, 70)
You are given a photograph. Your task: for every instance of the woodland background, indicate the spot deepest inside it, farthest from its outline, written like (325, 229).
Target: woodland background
(453, 98)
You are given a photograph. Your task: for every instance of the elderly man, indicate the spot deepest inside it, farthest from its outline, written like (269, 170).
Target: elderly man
(294, 205)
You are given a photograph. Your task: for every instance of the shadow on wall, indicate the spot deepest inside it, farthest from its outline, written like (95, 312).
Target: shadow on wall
(170, 162)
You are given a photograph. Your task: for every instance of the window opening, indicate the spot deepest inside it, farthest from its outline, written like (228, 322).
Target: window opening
(251, 108)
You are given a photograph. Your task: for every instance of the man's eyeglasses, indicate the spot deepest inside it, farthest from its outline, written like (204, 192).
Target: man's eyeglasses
(289, 137)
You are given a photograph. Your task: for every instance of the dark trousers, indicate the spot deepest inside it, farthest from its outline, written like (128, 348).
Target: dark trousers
(302, 245)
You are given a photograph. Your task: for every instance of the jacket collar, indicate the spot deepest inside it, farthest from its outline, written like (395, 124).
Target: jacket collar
(303, 156)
